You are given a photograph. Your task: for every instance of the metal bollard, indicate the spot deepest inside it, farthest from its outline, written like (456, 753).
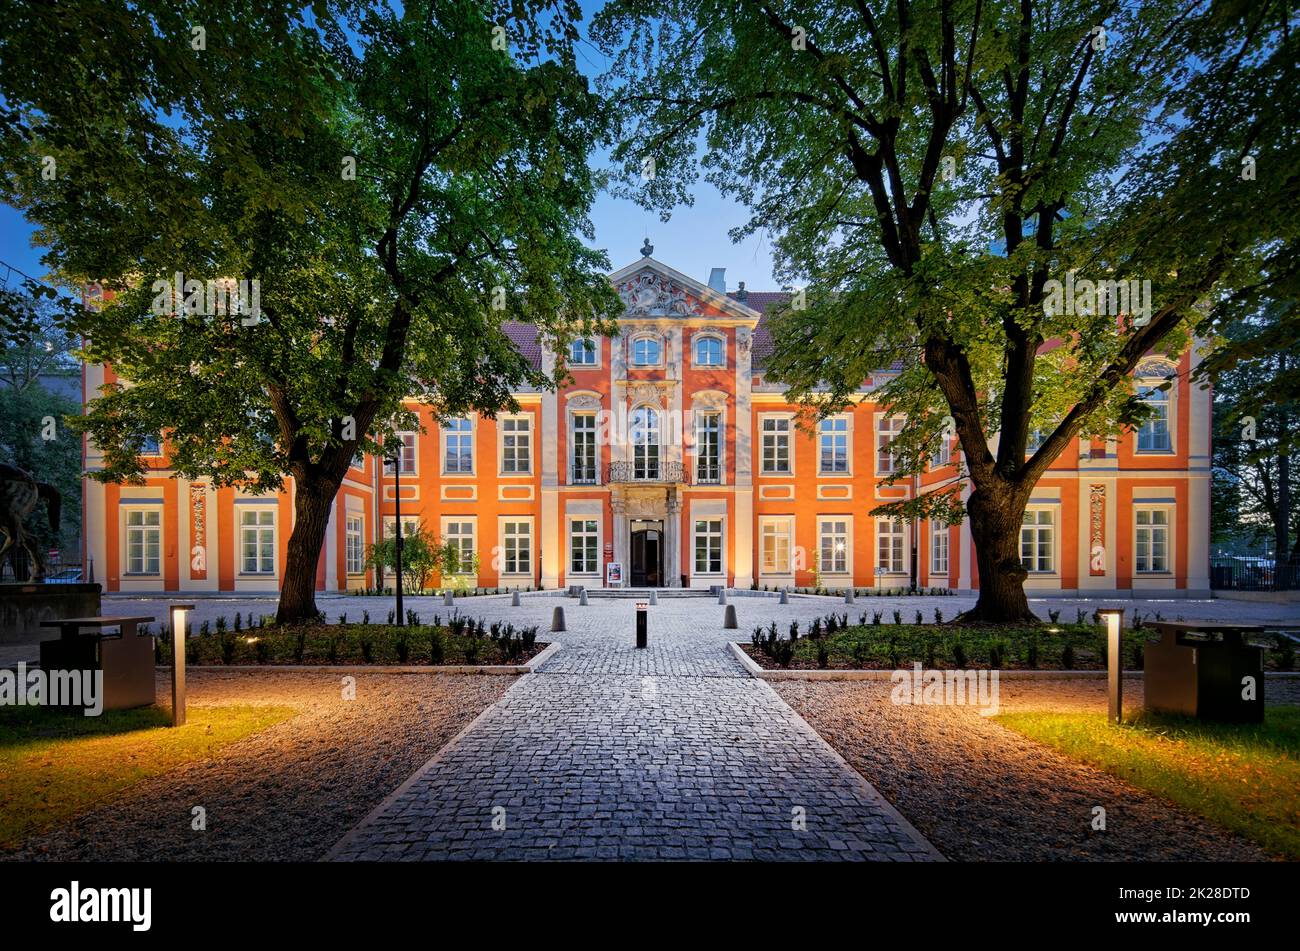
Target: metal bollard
(514, 601)
(642, 624)
(582, 599)
(722, 595)
(849, 597)
(785, 597)
(729, 621)
(557, 619)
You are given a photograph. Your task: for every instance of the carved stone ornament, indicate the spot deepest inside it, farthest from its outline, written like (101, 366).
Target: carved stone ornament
(648, 294)
(584, 401)
(645, 393)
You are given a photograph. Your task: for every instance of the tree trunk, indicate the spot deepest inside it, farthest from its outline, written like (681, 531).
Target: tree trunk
(312, 503)
(996, 515)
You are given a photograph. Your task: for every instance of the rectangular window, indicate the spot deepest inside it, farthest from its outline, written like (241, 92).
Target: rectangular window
(143, 541)
(889, 429)
(708, 448)
(1034, 441)
(944, 454)
(257, 540)
(834, 444)
(775, 546)
(584, 540)
(517, 553)
(1154, 434)
(1037, 541)
(834, 545)
(939, 549)
(458, 446)
(354, 545)
(516, 445)
(152, 445)
(708, 546)
(1151, 542)
(889, 545)
(407, 455)
(458, 535)
(584, 448)
(776, 445)
(410, 526)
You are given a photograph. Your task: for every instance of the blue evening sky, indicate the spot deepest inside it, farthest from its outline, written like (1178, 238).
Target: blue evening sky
(693, 241)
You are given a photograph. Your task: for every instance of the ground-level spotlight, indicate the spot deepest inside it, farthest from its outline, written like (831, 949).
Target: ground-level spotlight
(178, 613)
(1114, 662)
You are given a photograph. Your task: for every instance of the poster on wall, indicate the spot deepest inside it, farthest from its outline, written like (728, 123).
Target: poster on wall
(613, 574)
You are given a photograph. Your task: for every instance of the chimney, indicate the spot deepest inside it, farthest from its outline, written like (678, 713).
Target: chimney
(741, 293)
(718, 279)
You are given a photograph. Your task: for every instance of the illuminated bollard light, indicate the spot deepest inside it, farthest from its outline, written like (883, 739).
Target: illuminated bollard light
(1114, 618)
(178, 612)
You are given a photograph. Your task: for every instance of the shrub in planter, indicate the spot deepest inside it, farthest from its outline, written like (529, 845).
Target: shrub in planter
(365, 617)
(895, 658)
(757, 637)
(1285, 653)
(1067, 656)
(898, 617)
(471, 648)
(204, 630)
(997, 654)
(332, 651)
(191, 651)
(367, 648)
(529, 636)
(299, 646)
(1054, 615)
(859, 652)
(221, 624)
(239, 621)
(228, 642)
(823, 655)
(875, 618)
(938, 616)
(1031, 659)
(403, 647)
(930, 650)
(1079, 615)
(794, 630)
(435, 646)
(392, 616)
(343, 618)
(1139, 652)
(262, 650)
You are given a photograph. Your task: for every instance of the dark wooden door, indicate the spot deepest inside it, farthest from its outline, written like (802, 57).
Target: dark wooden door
(647, 569)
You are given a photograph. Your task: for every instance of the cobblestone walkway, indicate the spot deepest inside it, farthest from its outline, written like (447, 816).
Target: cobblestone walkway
(608, 752)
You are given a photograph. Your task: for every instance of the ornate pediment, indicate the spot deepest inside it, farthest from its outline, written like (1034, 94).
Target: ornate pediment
(650, 294)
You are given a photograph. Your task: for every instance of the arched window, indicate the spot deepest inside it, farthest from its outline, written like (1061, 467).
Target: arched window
(709, 351)
(582, 352)
(645, 443)
(647, 352)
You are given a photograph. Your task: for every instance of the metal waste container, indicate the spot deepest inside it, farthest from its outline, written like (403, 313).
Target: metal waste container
(1204, 670)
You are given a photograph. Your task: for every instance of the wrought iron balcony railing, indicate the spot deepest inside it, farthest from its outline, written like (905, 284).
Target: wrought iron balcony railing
(646, 471)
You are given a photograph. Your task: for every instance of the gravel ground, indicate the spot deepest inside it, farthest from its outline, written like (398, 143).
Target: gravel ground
(980, 792)
(288, 792)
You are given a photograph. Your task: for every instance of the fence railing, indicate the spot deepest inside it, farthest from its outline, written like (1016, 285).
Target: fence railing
(1238, 577)
(646, 471)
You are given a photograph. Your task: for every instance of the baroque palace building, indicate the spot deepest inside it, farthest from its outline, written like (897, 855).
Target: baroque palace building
(669, 456)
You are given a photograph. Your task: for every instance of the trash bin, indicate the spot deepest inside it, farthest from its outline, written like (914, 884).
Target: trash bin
(1203, 678)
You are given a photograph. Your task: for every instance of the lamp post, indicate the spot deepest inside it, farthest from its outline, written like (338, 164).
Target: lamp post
(1114, 663)
(178, 612)
(397, 538)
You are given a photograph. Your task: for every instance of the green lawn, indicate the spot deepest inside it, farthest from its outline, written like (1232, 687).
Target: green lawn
(56, 765)
(1244, 778)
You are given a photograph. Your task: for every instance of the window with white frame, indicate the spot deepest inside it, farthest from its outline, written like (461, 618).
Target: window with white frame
(708, 546)
(458, 534)
(516, 445)
(776, 445)
(257, 540)
(584, 542)
(1151, 540)
(1038, 541)
(410, 526)
(152, 445)
(889, 428)
(406, 454)
(774, 546)
(709, 351)
(647, 351)
(889, 545)
(943, 455)
(143, 541)
(458, 446)
(1153, 436)
(1034, 441)
(645, 443)
(708, 448)
(582, 352)
(584, 448)
(834, 546)
(834, 439)
(939, 548)
(354, 549)
(517, 548)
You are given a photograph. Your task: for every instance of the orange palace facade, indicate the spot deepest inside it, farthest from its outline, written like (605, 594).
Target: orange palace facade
(670, 455)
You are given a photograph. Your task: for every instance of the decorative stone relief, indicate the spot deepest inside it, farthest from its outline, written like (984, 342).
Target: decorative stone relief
(1097, 528)
(653, 295)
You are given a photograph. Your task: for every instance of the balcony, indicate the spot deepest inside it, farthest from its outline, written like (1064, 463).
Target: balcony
(647, 472)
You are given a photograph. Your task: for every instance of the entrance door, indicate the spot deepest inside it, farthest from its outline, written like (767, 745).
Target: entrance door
(647, 566)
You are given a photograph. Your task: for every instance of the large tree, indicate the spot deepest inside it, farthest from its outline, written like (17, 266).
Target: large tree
(399, 181)
(926, 168)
